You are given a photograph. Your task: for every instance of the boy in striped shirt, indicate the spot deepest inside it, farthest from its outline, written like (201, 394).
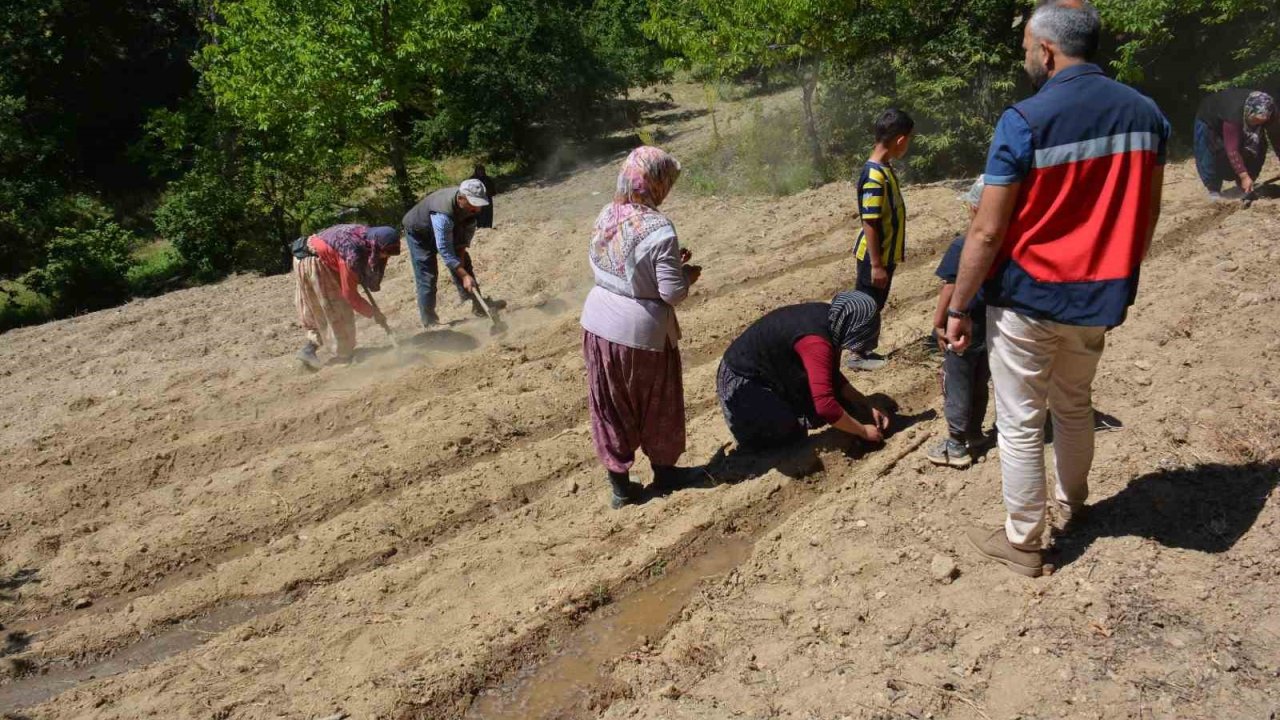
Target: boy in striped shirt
(881, 243)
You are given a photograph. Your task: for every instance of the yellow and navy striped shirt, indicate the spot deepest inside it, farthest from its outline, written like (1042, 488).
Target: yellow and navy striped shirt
(880, 202)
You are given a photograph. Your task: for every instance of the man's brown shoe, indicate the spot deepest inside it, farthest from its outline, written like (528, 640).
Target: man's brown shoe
(994, 545)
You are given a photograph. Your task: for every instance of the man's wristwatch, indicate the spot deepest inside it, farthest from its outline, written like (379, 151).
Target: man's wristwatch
(957, 314)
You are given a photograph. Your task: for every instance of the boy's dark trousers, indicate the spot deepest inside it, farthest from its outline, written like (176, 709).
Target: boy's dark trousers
(880, 295)
(964, 392)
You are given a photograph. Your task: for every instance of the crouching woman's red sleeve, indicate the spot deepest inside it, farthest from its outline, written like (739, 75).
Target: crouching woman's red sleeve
(820, 358)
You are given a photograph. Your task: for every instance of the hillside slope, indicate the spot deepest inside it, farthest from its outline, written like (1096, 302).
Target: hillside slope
(193, 528)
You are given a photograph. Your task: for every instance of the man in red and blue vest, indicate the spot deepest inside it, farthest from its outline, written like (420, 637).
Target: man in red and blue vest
(1072, 198)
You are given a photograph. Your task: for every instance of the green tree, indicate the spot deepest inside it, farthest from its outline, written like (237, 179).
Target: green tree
(725, 38)
(337, 73)
(545, 71)
(77, 78)
(1149, 32)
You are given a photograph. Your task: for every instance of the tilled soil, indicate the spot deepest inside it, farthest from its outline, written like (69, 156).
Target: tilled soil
(192, 527)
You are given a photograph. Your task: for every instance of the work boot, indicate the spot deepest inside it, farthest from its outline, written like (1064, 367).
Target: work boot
(950, 452)
(995, 545)
(866, 362)
(309, 358)
(430, 321)
(625, 491)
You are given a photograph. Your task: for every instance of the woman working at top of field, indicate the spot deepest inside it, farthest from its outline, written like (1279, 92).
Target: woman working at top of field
(781, 378)
(330, 267)
(630, 341)
(1231, 133)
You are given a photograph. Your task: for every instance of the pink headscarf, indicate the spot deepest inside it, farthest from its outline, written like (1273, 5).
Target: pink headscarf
(644, 182)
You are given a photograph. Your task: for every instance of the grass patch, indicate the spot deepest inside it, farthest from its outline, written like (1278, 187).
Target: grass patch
(21, 306)
(768, 155)
(157, 269)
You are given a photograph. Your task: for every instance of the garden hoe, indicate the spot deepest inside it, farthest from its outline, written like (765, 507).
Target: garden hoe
(385, 327)
(498, 327)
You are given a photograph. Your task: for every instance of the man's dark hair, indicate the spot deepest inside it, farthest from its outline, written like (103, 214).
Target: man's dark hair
(893, 123)
(1072, 25)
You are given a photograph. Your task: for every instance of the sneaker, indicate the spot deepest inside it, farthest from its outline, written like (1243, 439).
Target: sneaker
(994, 545)
(432, 321)
(477, 309)
(1216, 197)
(867, 362)
(309, 358)
(950, 452)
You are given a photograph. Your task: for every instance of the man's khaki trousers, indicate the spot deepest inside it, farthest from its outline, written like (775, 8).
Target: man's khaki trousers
(1039, 366)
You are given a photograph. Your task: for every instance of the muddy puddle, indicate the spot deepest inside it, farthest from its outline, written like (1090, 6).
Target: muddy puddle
(581, 662)
(45, 684)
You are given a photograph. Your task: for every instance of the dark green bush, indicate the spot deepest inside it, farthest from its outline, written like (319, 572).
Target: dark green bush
(85, 269)
(205, 218)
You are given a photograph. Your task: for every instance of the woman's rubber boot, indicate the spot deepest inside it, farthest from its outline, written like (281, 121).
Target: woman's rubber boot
(669, 478)
(307, 355)
(625, 492)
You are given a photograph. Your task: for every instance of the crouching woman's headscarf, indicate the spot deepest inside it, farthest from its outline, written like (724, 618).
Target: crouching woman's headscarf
(854, 321)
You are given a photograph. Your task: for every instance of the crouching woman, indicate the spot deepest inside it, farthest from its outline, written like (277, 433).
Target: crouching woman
(781, 378)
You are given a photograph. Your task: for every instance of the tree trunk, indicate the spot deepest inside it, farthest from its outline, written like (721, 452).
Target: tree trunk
(398, 124)
(809, 84)
(397, 142)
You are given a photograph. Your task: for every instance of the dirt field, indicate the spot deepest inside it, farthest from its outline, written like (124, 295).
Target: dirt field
(190, 528)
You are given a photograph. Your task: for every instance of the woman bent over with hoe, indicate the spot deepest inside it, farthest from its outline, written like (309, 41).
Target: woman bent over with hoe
(330, 268)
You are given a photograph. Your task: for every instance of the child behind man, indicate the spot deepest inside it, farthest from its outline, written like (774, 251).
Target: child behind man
(964, 377)
(881, 243)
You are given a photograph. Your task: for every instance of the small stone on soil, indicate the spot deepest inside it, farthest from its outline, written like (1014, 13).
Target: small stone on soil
(82, 603)
(944, 569)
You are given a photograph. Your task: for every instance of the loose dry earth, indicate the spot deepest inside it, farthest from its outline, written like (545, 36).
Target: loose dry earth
(193, 529)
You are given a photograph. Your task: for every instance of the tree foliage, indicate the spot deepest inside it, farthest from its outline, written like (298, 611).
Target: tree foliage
(334, 74)
(725, 38)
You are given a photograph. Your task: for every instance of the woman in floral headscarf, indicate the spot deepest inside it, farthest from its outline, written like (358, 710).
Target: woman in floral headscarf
(329, 269)
(1231, 133)
(635, 391)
